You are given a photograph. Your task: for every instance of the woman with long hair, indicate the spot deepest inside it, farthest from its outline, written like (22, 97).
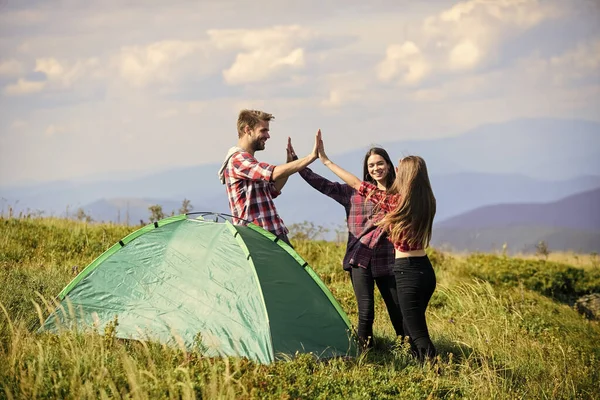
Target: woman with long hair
(369, 253)
(409, 207)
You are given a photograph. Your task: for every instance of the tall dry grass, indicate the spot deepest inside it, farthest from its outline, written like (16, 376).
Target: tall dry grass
(501, 326)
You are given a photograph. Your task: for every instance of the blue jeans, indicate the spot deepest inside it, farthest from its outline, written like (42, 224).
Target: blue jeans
(415, 281)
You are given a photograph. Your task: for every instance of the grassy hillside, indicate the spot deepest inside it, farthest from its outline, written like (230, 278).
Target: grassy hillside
(520, 238)
(503, 326)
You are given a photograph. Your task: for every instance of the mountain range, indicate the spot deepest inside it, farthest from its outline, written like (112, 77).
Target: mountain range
(527, 161)
(572, 223)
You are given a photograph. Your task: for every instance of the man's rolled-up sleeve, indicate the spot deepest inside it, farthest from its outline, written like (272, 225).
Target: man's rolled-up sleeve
(274, 191)
(247, 167)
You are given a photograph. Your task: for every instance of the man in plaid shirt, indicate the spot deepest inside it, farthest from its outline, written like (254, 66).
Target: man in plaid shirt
(252, 185)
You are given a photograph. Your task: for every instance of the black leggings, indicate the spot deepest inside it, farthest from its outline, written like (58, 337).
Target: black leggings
(283, 236)
(363, 283)
(415, 281)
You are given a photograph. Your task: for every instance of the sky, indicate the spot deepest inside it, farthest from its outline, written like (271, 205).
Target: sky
(93, 88)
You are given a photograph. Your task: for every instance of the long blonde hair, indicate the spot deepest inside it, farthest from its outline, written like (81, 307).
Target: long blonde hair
(412, 219)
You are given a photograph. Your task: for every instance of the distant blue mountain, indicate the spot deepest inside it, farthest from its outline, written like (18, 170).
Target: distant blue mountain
(129, 211)
(528, 160)
(572, 223)
(546, 149)
(578, 211)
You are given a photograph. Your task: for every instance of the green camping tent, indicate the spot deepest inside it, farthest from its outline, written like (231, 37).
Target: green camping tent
(244, 291)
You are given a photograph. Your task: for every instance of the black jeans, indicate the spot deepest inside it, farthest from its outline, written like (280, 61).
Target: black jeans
(415, 281)
(363, 283)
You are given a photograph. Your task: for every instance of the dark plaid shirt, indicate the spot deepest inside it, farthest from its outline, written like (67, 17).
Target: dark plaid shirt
(368, 245)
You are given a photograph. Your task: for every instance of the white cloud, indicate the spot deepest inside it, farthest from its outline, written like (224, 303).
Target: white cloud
(22, 18)
(139, 66)
(11, 68)
(54, 129)
(448, 73)
(23, 87)
(144, 65)
(335, 99)
(156, 62)
(49, 66)
(196, 107)
(461, 38)
(429, 95)
(561, 76)
(18, 124)
(170, 113)
(524, 13)
(581, 63)
(265, 52)
(405, 61)
(485, 20)
(261, 64)
(464, 55)
(345, 88)
(65, 74)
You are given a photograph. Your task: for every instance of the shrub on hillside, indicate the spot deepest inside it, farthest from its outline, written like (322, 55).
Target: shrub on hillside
(560, 281)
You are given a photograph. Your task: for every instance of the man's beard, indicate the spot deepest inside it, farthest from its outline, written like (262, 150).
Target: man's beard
(258, 145)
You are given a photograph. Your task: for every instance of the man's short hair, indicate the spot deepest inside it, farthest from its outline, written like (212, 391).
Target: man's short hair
(250, 118)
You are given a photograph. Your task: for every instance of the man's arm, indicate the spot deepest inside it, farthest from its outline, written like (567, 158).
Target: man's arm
(280, 183)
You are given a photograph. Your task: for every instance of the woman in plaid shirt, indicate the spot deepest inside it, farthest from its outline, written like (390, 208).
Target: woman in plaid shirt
(409, 206)
(369, 254)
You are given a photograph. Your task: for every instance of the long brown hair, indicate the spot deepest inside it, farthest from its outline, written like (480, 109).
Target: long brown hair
(412, 219)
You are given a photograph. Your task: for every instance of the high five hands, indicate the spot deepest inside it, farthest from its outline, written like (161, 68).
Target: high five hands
(318, 150)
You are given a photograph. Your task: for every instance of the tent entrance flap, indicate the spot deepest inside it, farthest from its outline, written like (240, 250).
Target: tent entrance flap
(302, 316)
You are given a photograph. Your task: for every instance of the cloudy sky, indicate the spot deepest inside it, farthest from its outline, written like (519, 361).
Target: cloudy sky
(88, 88)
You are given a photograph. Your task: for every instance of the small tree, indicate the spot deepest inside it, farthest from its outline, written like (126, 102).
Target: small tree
(186, 206)
(594, 257)
(541, 249)
(341, 232)
(156, 213)
(306, 231)
(82, 216)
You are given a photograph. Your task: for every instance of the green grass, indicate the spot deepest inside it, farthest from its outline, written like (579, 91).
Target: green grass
(503, 326)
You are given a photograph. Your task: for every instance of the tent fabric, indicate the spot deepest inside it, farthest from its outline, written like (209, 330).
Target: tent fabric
(238, 288)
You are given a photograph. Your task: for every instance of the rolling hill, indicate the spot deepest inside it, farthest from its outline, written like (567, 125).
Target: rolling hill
(572, 223)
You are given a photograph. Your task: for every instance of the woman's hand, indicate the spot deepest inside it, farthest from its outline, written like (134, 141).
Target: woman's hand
(344, 175)
(321, 149)
(315, 153)
(291, 154)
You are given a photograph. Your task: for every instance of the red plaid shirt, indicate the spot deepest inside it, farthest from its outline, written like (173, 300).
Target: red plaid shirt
(251, 192)
(368, 246)
(387, 202)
